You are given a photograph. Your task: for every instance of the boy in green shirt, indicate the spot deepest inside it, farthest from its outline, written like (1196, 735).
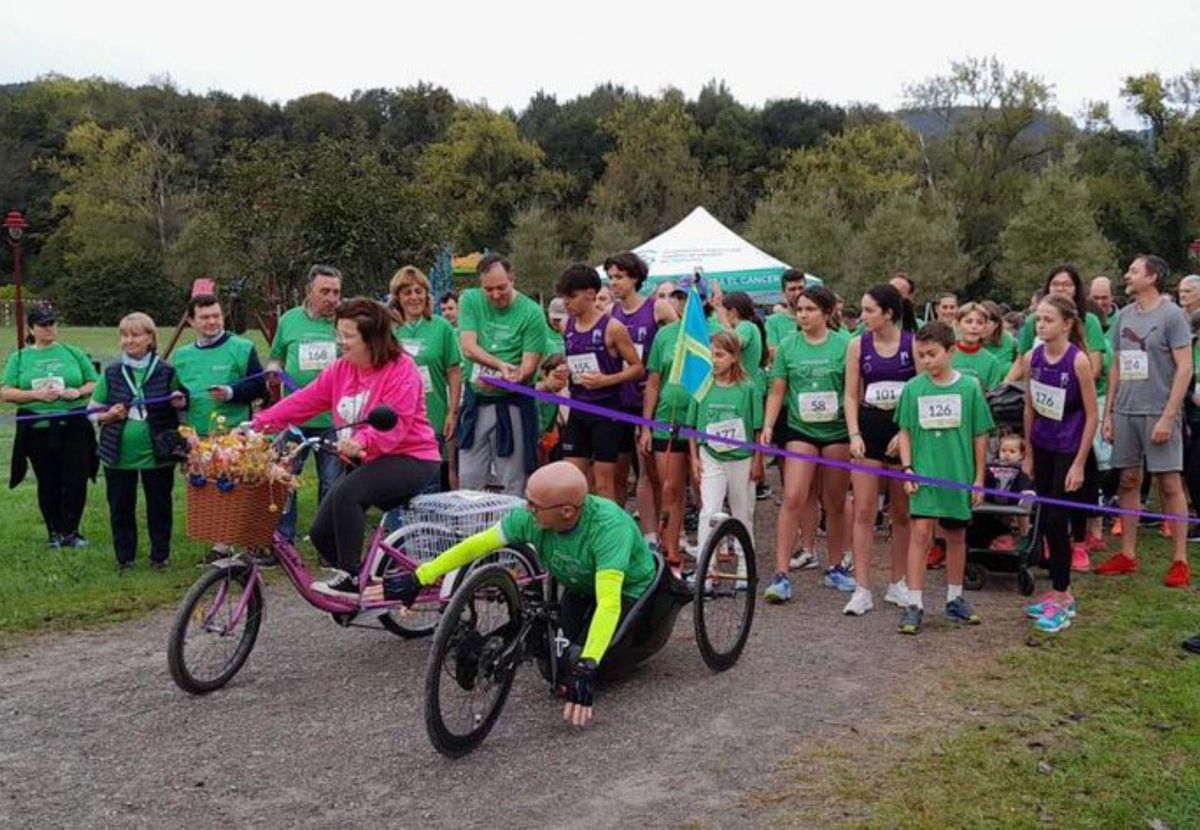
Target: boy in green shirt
(944, 421)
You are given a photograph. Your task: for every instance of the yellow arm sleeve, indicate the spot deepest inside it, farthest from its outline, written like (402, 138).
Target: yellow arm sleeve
(465, 552)
(607, 615)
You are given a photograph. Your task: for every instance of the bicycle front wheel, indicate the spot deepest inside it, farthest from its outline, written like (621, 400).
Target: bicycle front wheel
(726, 583)
(214, 629)
(473, 661)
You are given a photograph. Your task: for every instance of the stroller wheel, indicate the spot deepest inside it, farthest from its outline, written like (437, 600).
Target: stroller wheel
(975, 576)
(1025, 582)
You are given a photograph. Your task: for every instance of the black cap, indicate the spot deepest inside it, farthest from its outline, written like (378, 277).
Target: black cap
(40, 316)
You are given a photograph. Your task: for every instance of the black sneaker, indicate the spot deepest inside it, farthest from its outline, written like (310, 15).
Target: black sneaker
(54, 542)
(340, 584)
(73, 540)
(125, 566)
(1192, 644)
(762, 492)
(158, 566)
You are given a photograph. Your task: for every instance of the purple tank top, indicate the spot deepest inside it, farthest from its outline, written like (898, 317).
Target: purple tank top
(643, 326)
(875, 368)
(1057, 401)
(587, 352)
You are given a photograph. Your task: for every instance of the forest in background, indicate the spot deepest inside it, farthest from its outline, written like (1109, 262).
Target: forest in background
(979, 183)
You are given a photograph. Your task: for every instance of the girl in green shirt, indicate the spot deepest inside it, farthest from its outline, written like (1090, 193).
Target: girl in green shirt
(732, 408)
(996, 340)
(810, 372)
(740, 317)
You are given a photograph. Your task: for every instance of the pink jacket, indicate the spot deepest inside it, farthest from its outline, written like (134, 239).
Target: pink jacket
(350, 392)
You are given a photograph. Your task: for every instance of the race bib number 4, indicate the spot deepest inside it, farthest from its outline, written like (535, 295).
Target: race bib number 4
(1048, 401)
(52, 382)
(884, 394)
(939, 411)
(314, 357)
(732, 428)
(817, 407)
(1134, 365)
(581, 364)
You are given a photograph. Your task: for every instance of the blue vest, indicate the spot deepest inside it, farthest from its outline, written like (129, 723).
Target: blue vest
(161, 417)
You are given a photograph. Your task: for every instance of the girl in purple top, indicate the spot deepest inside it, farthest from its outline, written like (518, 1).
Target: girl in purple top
(1060, 421)
(878, 364)
(601, 358)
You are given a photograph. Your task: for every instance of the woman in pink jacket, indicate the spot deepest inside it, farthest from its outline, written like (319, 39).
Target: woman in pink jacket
(395, 465)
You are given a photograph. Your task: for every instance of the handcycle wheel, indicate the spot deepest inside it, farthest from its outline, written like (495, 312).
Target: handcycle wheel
(207, 646)
(473, 660)
(726, 583)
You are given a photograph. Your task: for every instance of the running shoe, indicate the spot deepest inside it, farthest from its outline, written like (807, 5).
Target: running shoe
(860, 603)
(910, 620)
(1095, 542)
(1192, 644)
(1117, 526)
(339, 584)
(780, 589)
(803, 560)
(73, 540)
(762, 492)
(54, 542)
(1053, 620)
(835, 577)
(936, 557)
(1179, 575)
(1116, 565)
(1038, 608)
(897, 594)
(960, 611)
(1080, 561)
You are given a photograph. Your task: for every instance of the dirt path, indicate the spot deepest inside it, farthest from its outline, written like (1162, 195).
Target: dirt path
(323, 727)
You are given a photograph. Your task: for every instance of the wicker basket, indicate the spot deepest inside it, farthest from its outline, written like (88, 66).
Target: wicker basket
(241, 517)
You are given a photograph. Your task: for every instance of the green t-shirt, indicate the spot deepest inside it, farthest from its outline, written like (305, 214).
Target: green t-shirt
(605, 539)
(305, 345)
(673, 399)
(779, 326)
(199, 369)
(59, 365)
(136, 451)
(735, 411)
(752, 351)
(433, 346)
(555, 344)
(981, 365)
(942, 422)
(816, 378)
(1193, 411)
(1005, 351)
(546, 413)
(505, 333)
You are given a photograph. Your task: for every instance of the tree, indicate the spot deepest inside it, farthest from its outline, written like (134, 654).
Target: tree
(651, 180)
(608, 236)
(808, 231)
(535, 251)
(1054, 224)
(915, 233)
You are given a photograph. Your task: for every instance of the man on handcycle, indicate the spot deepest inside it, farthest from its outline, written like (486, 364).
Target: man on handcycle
(592, 547)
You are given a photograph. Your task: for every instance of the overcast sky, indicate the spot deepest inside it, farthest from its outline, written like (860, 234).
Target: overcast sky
(502, 52)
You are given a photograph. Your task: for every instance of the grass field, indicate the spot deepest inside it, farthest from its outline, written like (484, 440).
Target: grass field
(41, 589)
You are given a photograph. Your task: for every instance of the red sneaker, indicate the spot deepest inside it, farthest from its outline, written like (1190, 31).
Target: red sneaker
(1179, 575)
(1116, 565)
(1080, 561)
(1095, 543)
(1117, 526)
(936, 557)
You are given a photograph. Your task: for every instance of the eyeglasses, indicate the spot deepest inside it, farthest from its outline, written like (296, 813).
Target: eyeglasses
(534, 507)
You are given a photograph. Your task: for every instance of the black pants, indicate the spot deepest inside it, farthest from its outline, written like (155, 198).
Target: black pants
(386, 483)
(61, 457)
(157, 485)
(1050, 479)
(1191, 466)
(1089, 493)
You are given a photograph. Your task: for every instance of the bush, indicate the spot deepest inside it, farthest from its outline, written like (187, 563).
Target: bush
(99, 291)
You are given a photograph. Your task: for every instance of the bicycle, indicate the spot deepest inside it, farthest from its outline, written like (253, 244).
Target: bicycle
(493, 624)
(217, 623)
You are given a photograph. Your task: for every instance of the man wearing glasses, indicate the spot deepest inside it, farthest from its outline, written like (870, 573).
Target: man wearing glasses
(590, 545)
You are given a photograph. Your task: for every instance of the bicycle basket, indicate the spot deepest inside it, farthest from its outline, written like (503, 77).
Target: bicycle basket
(243, 516)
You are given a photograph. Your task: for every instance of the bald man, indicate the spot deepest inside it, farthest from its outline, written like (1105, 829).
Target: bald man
(1100, 292)
(592, 547)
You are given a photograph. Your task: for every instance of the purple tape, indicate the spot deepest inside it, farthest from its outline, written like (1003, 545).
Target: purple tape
(688, 432)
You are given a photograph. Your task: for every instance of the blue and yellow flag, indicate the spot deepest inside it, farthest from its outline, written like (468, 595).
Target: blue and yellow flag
(691, 366)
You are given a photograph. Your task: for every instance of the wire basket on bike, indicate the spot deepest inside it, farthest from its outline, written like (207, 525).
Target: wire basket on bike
(450, 517)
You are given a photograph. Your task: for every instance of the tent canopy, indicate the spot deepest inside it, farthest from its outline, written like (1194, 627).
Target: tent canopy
(700, 241)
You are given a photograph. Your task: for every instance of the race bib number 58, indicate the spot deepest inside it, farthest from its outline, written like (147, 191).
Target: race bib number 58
(817, 407)
(939, 411)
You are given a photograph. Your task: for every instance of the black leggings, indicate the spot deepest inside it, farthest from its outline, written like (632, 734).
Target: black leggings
(1050, 479)
(386, 483)
(61, 457)
(1191, 466)
(1089, 493)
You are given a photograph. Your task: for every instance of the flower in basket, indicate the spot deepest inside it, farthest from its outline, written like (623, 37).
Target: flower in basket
(232, 458)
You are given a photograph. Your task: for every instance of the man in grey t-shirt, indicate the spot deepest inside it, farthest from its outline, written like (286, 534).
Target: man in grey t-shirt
(1149, 376)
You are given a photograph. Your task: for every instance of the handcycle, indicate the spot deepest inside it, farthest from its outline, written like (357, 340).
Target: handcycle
(217, 622)
(493, 624)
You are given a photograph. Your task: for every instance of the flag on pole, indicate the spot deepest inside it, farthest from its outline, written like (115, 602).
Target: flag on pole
(691, 367)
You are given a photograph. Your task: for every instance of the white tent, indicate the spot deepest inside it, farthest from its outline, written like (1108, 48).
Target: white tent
(700, 241)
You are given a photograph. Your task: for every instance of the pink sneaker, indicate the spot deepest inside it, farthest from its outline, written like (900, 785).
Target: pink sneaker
(1080, 561)
(1004, 542)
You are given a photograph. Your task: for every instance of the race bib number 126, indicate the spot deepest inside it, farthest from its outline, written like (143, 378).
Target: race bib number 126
(939, 411)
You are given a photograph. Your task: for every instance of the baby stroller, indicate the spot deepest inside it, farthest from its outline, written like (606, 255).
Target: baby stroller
(996, 519)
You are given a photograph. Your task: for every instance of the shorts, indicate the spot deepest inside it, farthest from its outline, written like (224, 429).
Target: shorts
(628, 443)
(591, 436)
(678, 445)
(790, 433)
(1131, 443)
(877, 428)
(947, 524)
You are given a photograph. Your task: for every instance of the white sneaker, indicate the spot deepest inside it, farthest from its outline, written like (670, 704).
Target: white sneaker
(804, 560)
(860, 603)
(897, 594)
